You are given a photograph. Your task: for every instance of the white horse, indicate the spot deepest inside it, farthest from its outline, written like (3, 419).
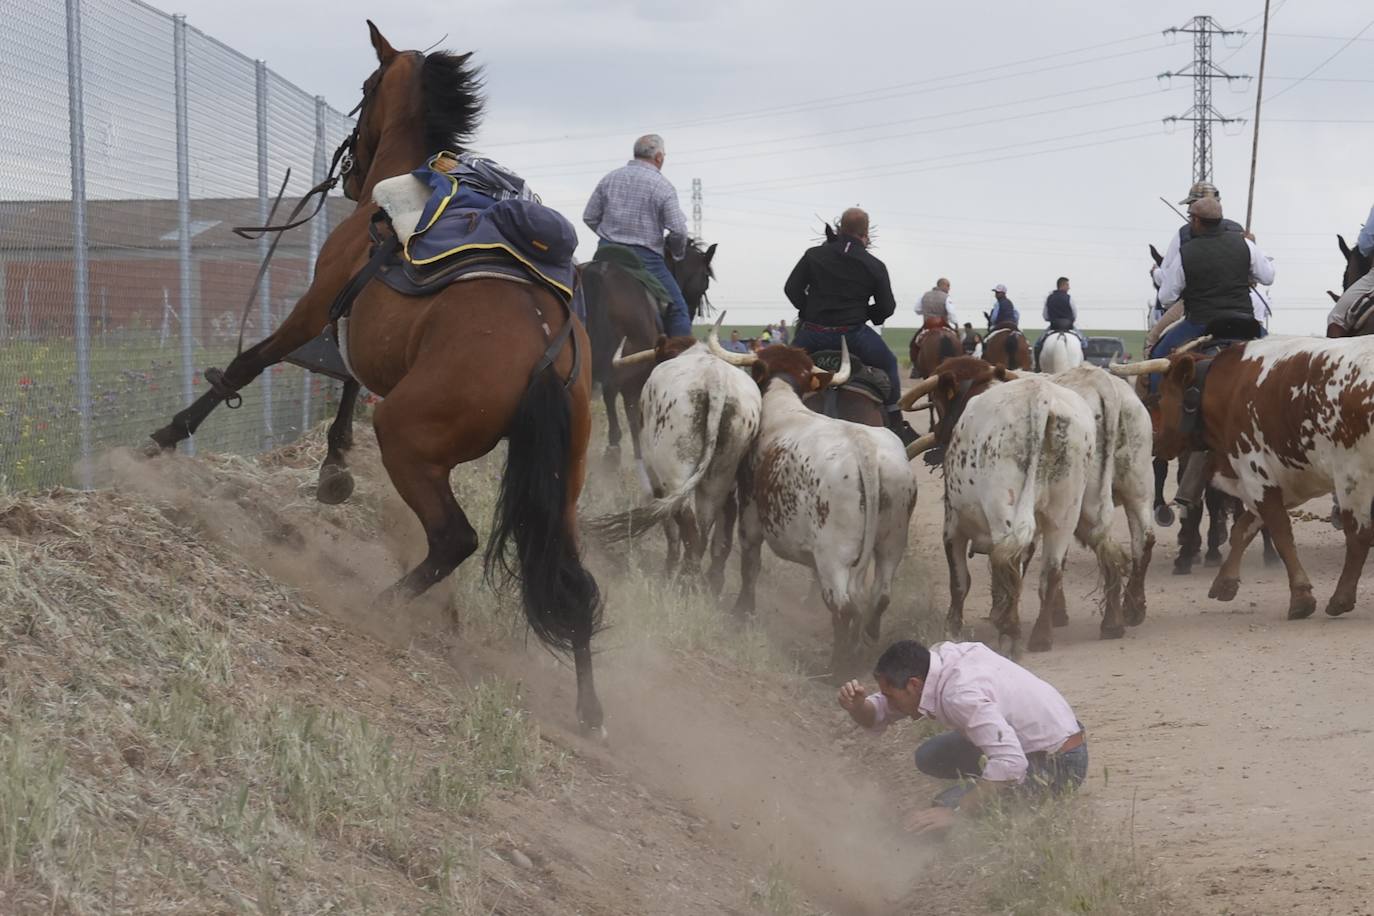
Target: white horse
(1062, 351)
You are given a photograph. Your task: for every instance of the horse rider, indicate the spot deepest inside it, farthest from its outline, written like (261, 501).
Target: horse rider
(1212, 275)
(1060, 314)
(1339, 319)
(636, 206)
(1003, 314)
(831, 287)
(935, 308)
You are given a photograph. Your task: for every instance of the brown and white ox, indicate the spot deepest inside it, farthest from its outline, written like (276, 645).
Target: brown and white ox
(831, 495)
(1285, 420)
(700, 415)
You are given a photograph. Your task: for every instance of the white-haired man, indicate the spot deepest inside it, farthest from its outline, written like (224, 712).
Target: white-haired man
(635, 206)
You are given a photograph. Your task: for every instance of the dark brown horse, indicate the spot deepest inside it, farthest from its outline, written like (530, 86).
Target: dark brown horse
(928, 352)
(619, 309)
(459, 371)
(1356, 266)
(1008, 348)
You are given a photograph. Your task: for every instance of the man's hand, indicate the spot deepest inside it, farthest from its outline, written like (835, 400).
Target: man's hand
(852, 696)
(930, 820)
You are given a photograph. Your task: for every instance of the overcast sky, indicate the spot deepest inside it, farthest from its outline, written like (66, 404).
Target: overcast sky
(992, 143)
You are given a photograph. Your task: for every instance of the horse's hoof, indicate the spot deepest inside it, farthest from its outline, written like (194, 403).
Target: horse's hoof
(1164, 516)
(1039, 643)
(594, 732)
(1212, 560)
(1301, 605)
(1134, 614)
(1340, 604)
(1009, 646)
(1061, 618)
(1114, 632)
(1225, 589)
(1183, 566)
(335, 486)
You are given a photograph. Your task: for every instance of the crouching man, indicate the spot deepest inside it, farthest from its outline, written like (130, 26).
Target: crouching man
(1012, 732)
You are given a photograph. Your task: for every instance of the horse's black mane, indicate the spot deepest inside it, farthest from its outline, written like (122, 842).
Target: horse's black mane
(451, 89)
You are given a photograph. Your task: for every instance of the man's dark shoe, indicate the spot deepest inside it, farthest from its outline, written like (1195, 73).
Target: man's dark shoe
(904, 431)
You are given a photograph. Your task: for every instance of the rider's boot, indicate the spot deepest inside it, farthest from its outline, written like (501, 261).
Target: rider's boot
(1196, 473)
(898, 424)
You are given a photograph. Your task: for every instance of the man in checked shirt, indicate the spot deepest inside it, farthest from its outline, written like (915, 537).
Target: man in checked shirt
(1011, 730)
(635, 206)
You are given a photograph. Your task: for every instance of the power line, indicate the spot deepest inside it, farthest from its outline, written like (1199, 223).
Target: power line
(938, 128)
(856, 97)
(889, 169)
(1328, 60)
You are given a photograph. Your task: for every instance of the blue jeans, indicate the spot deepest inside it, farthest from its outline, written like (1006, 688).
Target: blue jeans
(864, 342)
(676, 323)
(1177, 336)
(952, 756)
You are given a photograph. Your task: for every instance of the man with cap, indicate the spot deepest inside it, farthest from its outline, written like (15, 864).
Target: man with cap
(1339, 322)
(831, 287)
(1212, 275)
(1060, 314)
(1216, 262)
(1003, 312)
(635, 206)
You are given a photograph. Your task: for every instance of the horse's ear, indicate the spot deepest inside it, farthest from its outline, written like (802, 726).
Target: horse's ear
(385, 52)
(1334, 297)
(710, 253)
(1159, 258)
(829, 233)
(1345, 249)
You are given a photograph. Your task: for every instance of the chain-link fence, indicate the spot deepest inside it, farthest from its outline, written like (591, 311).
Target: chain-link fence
(131, 145)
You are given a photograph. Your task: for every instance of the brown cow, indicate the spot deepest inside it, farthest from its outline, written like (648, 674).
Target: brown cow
(1285, 421)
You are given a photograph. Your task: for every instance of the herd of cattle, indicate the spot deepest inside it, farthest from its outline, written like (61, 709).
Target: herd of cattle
(1031, 462)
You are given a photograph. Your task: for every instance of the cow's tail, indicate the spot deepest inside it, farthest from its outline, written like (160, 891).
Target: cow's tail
(1023, 515)
(621, 526)
(870, 496)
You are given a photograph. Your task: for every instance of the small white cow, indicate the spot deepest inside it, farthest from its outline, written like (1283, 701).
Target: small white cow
(1122, 475)
(829, 494)
(700, 415)
(1016, 469)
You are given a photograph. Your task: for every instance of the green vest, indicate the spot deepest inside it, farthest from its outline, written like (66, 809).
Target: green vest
(1216, 274)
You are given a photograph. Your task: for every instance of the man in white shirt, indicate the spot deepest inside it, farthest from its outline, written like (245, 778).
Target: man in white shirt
(1010, 728)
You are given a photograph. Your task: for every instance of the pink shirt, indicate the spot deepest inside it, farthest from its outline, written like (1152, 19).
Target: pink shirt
(998, 705)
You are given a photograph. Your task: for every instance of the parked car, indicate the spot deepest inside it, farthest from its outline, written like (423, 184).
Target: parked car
(1103, 351)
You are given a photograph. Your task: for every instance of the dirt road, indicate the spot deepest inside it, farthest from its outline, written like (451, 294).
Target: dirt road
(1236, 739)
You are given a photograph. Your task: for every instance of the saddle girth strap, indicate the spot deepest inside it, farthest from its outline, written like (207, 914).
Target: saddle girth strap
(555, 347)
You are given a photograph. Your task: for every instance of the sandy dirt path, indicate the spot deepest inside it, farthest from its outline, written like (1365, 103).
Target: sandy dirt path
(1236, 739)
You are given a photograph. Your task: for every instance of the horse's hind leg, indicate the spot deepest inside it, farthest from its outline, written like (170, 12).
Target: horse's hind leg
(608, 395)
(336, 482)
(422, 480)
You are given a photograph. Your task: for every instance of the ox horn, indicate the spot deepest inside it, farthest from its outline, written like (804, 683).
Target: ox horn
(842, 376)
(1193, 344)
(922, 388)
(1147, 367)
(643, 356)
(734, 359)
(923, 444)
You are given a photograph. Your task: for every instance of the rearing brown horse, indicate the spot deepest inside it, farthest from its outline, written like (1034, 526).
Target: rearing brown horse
(459, 371)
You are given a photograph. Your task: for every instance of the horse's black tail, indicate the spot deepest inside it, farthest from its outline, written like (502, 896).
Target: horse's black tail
(599, 329)
(562, 602)
(947, 347)
(1011, 348)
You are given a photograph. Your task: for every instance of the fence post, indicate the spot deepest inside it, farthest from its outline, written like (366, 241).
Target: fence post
(264, 243)
(80, 290)
(188, 371)
(318, 227)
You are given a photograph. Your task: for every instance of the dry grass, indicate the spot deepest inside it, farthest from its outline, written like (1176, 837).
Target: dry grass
(1059, 857)
(175, 737)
